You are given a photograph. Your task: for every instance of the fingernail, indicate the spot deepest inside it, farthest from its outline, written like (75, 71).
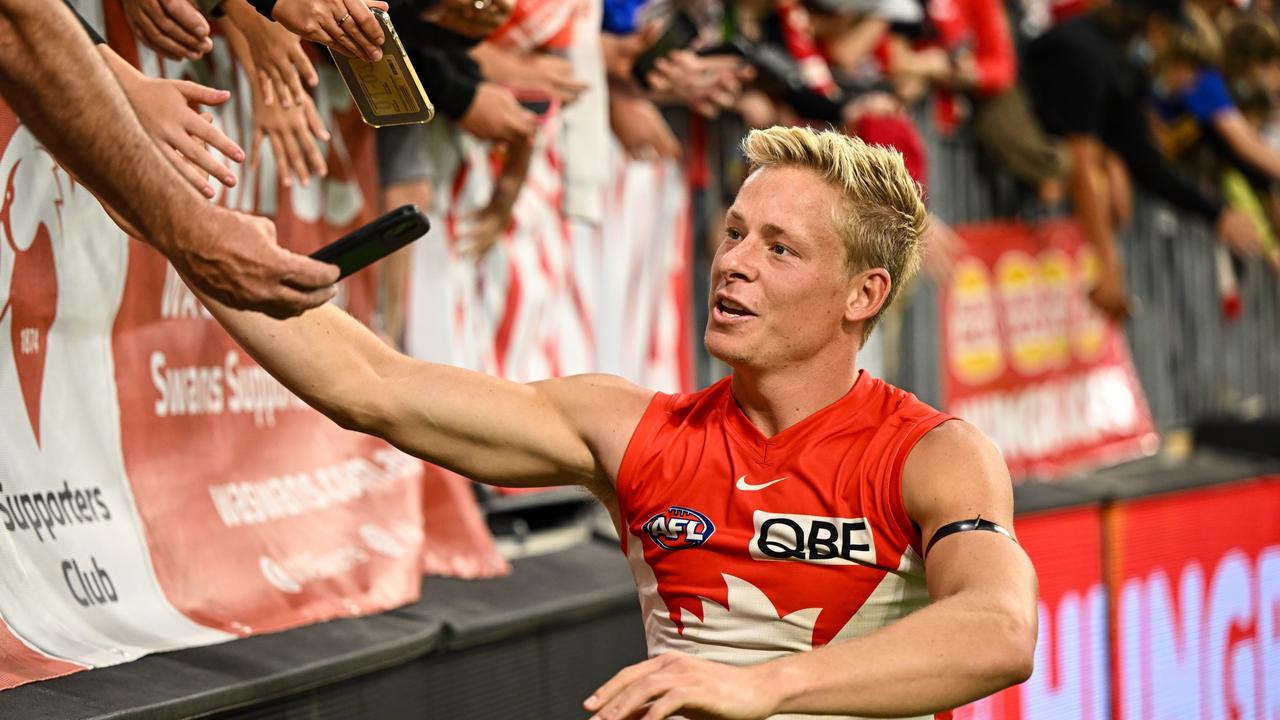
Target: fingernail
(238, 156)
(325, 136)
(377, 55)
(229, 180)
(207, 191)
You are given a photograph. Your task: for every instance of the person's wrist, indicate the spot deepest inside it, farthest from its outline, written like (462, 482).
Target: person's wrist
(779, 683)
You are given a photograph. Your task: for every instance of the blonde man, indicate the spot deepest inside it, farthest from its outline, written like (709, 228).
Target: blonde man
(780, 523)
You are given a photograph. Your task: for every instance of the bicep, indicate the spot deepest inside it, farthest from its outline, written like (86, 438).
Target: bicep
(487, 428)
(954, 473)
(555, 432)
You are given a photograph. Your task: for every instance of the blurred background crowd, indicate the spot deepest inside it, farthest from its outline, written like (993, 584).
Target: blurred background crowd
(1062, 108)
(1076, 101)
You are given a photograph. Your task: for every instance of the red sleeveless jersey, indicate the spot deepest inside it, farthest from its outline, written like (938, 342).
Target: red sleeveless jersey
(745, 548)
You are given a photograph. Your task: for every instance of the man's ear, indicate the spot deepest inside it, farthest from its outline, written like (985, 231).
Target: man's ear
(868, 292)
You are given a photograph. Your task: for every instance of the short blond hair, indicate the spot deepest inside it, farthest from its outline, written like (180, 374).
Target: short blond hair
(883, 221)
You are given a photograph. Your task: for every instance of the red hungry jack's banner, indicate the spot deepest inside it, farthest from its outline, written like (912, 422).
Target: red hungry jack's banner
(1195, 583)
(157, 488)
(1029, 361)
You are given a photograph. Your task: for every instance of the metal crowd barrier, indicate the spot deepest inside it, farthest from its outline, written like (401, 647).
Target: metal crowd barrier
(1193, 363)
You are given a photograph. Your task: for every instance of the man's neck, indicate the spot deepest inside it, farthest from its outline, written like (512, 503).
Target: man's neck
(774, 400)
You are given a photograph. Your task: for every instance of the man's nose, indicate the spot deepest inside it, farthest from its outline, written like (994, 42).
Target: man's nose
(737, 261)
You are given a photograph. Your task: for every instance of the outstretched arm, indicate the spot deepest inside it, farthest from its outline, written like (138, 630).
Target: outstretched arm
(557, 432)
(976, 638)
(71, 103)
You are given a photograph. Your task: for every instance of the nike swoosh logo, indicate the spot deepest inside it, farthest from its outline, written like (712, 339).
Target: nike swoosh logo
(742, 484)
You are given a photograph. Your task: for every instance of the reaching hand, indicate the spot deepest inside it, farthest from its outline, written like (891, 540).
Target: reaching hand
(640, 127)
(279, 61)
(234, 258)
(481, 230)
(293, 132)
(539, 73)
(173, 28)
(674, 683)
(707, 84)
(1239, 234)
(1109, 294)
(495, 114)
(347, 26)
(165, 109)
(472, 18)
(621, 51)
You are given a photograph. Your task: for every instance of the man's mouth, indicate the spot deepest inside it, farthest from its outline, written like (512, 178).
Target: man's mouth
(729, 309)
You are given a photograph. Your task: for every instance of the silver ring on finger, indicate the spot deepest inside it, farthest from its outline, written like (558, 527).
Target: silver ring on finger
(343, 19)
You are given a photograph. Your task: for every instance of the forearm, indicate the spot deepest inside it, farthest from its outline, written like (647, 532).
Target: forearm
(507, 189)
(948, 654)
(486, 428)
(239, 45)
(69, 100)
(324, 356)
(1090, 200)
(1246, 143)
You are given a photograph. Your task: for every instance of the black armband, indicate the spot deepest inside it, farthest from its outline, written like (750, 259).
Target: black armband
(93, 34)
(965, 526)
(266, 7)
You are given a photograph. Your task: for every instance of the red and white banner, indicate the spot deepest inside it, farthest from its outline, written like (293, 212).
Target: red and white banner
(157, 488)
(1030, 362)
(556, 296)
(1196, 577)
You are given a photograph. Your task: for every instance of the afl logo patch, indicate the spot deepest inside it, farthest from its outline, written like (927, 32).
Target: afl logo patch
(679, 528)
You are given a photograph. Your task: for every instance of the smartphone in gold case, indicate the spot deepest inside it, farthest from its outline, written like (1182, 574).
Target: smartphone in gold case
(387, 92)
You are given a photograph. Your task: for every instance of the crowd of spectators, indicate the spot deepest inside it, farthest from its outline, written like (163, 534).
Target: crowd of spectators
(1077, 100)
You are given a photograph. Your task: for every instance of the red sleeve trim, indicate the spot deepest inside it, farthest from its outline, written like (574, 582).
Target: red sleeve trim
(641, 439)
(906, 443)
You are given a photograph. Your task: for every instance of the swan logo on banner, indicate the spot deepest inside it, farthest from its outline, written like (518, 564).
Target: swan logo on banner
(28, 278)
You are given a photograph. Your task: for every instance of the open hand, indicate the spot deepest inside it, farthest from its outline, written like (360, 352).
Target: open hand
(674, 683)
(165, 109)
(293, 132)
(640, 127)
(281, 65)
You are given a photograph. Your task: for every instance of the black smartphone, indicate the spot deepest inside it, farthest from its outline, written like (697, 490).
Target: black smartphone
(370, 243)
(538, 107)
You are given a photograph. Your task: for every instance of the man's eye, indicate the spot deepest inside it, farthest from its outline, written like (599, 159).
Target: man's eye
(732, 234)
(779, 249)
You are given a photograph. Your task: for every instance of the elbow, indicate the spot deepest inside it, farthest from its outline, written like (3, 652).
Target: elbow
(355, 411)
(1014, 659)
(362, 418)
